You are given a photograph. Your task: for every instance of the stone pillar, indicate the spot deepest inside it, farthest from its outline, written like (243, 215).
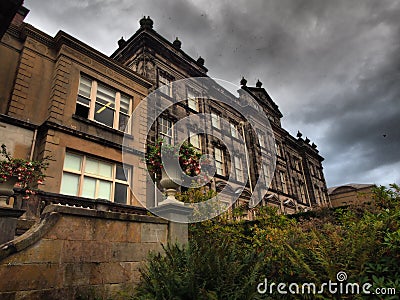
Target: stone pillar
(8, 223)
(178, 216)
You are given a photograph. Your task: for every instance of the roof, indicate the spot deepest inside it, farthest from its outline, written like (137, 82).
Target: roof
(350, 186)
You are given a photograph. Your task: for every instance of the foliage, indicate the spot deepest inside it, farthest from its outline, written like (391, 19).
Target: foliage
(189, 157)
(363, 241)
(199, 271)
(28, 172)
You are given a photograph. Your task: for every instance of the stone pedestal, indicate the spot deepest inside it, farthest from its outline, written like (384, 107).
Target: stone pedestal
(177, 215)
(8, 223)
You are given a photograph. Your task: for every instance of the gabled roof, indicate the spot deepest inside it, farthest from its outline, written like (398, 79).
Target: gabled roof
(147, 35)
(261, 95)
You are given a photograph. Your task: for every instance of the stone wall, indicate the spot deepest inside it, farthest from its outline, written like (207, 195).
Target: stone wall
(79, 252)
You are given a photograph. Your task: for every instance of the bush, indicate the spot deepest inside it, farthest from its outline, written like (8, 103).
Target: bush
(201, 271)
(226, 259)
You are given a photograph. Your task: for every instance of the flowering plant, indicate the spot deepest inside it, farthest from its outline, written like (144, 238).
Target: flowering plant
(189, 157)
(27, 172)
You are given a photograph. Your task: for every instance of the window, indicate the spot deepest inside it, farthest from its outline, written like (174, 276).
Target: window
(85, 176)
(311, 169)
(219, 161)
(317, 194)
(103, 104)
(283, 182)
(239, 169)
(234, 131)
(267, 173)
(165, 129)
(303, 193)
(215, 120)
(261, 140)
(194, 139)
(297, 164)
(165, 80)
(278, 148)
(193, 101)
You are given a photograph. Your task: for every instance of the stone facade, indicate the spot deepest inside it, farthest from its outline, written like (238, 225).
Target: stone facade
(43, 93)
(298, 182)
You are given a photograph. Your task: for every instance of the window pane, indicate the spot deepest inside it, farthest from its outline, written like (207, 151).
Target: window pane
(84, 101)
(123, 121)
(233, 131)
(218, 154)
(106, 96)
(85, 86)
(89, 187)
(104, 190)
(104, 114)
(81, 110)
(92, 166)
(195, 141)
(69, 185)
(120, 173)
(125, 104)
(72, 162)
(120, 193)
(215, 120)
(219, 168)
(105, 169)
(238, 163)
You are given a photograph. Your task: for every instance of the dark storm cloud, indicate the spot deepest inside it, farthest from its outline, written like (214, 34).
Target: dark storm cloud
(331, 66)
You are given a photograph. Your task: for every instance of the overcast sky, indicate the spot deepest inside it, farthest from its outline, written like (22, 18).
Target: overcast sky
(333, 67)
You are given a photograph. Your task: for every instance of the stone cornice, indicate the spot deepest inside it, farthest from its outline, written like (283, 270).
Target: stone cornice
(63, 38)
(84, 135)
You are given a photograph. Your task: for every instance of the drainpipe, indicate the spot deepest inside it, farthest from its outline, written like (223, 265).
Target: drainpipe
(247, 157)
(33, 144)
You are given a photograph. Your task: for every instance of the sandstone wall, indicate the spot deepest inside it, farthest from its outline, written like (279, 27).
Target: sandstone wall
(79, 253)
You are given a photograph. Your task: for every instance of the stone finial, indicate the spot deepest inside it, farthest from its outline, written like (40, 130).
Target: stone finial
(299, 134)
(146, 23)
(313, 146)
(177, 43)
(243, 82)
(259, 84)
(121, 42)
(200, 61)
(307, 140)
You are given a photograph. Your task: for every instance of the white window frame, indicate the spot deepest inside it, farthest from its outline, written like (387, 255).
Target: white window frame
(164, 80)
(83, 173)
(282, 176)
(239, 169)
(192, 100)
(92, 99)
(195, 140)
(303, 192)
(219, 161)
(261, 140)
(267, 173)
(234, 131)
(216, 121)
(166, 129)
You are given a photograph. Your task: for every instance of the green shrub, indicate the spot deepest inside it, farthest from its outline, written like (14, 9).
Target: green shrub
(226, 259)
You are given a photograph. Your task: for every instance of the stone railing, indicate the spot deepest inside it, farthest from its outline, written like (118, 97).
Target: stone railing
(35, 205)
